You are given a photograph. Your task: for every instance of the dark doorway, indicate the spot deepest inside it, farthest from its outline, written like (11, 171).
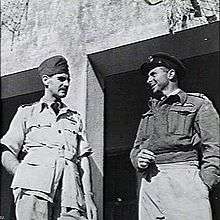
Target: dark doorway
(126, 99)
(16, 89)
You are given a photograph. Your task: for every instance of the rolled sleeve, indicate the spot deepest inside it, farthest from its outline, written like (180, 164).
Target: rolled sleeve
(208, 121)
(14, 137)
(84, 147)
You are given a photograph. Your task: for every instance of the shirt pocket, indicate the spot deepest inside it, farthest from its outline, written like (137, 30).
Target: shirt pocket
(70, 127)
(180, 120)
(71, 130)
(36, 126)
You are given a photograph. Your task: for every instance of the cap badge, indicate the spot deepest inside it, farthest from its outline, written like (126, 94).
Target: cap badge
(150, 58)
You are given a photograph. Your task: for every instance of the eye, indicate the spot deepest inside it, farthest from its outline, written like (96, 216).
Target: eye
(62, 79)
(153, 74)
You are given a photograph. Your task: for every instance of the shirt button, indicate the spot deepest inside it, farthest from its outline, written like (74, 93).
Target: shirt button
(59, 131)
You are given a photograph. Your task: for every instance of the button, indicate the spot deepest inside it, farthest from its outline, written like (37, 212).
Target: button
(59, 131)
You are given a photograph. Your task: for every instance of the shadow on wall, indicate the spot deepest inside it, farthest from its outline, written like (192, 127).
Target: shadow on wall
(97, 186)
(8, 108)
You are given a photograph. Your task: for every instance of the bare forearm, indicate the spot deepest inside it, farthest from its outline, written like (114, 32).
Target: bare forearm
(87, 187)
(86, 177)
(9, 161)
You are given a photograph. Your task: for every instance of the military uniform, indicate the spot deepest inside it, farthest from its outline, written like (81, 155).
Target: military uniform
(182, 130)
(54, 145)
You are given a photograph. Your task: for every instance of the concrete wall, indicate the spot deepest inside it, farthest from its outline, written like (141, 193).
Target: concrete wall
(95, 134)
(74, 28)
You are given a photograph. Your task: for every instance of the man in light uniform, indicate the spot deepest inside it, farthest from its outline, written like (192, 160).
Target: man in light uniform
(53, 179)
(176, 147)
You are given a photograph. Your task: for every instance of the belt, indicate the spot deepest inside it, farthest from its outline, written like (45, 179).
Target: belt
(60, 151)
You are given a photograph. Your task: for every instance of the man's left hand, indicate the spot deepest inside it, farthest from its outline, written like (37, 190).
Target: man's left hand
(90, 208)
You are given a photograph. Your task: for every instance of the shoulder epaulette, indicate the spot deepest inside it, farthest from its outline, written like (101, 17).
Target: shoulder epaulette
(147, 113)
(28, 104)
(199, 95)
(143, 115)
(73, 112)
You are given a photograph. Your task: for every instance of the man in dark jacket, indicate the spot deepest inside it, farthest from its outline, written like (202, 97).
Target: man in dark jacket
(176, 147)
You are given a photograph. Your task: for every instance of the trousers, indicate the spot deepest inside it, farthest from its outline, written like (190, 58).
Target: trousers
(31, 207)
(175, 191)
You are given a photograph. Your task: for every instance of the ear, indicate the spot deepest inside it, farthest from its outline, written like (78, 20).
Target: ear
(171, 74)
(45, 80)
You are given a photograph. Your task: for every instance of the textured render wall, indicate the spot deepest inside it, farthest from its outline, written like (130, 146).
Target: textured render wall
(75, 28)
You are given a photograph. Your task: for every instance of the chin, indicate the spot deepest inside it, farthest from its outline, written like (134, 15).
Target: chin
(155, 90)
(62, 95)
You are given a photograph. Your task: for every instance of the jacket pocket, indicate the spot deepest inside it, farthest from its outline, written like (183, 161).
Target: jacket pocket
(36, 171)
(40, 157)
(180, 120)
(33, 176)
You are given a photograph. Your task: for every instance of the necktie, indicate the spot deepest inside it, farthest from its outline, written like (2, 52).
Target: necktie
(56, 107)
(172, 99)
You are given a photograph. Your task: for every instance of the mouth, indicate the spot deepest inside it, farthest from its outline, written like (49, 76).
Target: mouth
(153, 86)
(63, 90)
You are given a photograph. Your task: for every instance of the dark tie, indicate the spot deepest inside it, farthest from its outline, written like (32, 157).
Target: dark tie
(172, 99)
(56, 107)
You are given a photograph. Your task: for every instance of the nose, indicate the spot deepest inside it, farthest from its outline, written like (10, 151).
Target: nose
(66, 83)
(149, 79)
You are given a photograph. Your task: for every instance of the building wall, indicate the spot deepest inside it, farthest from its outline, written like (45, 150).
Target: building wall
(95, 134)
(74, 29)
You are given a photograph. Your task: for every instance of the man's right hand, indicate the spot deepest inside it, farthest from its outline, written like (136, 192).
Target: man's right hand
(9, 161)
(144, 158)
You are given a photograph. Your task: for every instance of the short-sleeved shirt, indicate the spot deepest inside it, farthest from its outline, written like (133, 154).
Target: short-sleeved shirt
(53, 143)
(36, 125)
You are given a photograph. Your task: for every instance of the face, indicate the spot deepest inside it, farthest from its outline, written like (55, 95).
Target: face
(57, 84)
(158, 79)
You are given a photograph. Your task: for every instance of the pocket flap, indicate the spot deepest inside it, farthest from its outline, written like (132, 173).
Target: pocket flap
(147, 114)
(183, 109)
(40, 157)
(38, 124)
(71, 127)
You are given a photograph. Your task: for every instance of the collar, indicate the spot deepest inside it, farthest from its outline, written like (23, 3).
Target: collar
(177, 92)
(44, 103)
(182, 95)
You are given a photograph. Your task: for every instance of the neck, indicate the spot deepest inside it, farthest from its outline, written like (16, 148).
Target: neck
(49, 97)
(169, 89)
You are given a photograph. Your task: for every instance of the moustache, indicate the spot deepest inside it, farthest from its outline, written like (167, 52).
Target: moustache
(63, 88)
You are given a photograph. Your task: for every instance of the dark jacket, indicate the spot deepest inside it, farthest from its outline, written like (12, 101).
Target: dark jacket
(183, 127)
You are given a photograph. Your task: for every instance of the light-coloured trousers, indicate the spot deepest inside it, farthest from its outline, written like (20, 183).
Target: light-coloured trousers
(176, 192)
(30, 207)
